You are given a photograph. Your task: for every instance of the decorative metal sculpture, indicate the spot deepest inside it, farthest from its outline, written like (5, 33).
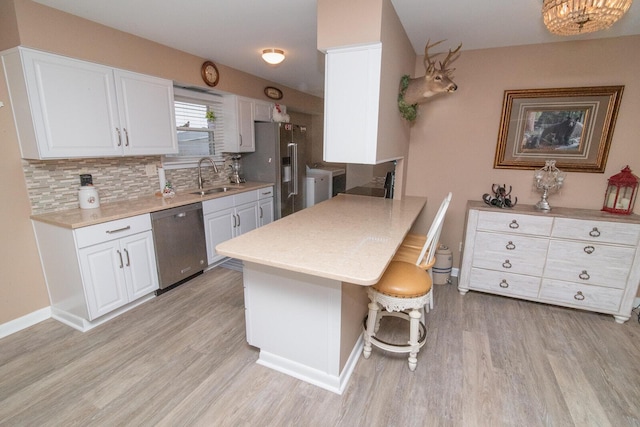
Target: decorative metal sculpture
(500, 198)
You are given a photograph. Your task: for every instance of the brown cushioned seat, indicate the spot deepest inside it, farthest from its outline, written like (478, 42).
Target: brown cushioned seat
(404, 280)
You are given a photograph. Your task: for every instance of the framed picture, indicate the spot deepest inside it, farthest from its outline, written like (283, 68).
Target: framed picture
(273, 92)
(572, 126)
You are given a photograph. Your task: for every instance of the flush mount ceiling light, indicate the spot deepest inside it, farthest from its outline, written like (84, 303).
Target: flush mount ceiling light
(571, 17)
(273, 56)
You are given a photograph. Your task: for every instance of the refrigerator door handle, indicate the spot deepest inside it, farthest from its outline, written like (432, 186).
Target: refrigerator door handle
(293, 153)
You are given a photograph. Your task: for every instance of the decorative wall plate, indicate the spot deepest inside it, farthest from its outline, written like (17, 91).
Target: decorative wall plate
(273, 92)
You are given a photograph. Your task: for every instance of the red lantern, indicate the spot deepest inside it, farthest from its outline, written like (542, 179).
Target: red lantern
(621, 193)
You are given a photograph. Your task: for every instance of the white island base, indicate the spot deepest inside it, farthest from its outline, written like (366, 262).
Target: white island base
(305, 326)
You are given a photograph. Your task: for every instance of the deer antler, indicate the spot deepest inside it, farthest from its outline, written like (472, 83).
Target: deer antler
(429, 64)
(451, 57)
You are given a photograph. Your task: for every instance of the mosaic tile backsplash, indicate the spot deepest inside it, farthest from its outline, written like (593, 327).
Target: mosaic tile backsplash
(53, 184)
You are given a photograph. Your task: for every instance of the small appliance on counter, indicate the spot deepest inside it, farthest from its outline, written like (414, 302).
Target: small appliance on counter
(236, 170)
(88, 194)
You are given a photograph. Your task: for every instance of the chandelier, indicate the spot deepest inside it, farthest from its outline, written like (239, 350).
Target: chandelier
(571, 17)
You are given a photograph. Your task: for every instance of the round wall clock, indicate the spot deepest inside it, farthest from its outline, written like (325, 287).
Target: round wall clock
(210, 73)
(273, 92)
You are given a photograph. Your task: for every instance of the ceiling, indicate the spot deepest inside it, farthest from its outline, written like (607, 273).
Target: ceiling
(234, 33)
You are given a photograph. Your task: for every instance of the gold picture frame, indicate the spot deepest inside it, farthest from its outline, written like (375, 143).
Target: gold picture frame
(572, 126)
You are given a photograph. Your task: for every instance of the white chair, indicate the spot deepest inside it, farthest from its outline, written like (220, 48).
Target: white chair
(405, 286)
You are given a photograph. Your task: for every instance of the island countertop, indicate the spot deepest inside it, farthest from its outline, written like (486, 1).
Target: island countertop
(348, 238)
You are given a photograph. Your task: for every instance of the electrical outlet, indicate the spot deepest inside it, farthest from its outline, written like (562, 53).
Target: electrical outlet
(150, 170)
(460, 247)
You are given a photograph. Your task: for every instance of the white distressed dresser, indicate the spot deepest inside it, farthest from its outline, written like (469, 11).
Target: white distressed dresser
(578, 258)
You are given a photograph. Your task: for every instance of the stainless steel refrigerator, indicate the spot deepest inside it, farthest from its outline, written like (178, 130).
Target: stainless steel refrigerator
(279, 158)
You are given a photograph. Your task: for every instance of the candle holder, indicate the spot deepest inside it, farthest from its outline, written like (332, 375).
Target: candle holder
(548, 179)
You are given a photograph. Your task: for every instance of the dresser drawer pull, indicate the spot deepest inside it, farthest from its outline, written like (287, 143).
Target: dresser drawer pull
(504, 284)
(578, 296)
(506, 264)
(128, 227)
(584, 275)
(595, 232)
(510, 246)
(589, 249)
(514, 224)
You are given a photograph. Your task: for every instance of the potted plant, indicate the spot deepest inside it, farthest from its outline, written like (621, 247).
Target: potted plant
(211, 118)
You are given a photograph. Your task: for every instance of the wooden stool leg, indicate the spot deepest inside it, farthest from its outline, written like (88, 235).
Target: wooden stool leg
(374, 309)
(414, 323)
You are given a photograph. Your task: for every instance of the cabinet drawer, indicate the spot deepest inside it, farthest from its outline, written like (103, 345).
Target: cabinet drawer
(588, 263)
(581, 296)
(217, 204)
(497, 282)
(597, 231)
(247, 197)
(264, 193)
(94, 234)
(515, 223)
(510, 253)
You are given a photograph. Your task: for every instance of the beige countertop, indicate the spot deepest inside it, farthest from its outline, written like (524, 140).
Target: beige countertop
(349, 238)
(76, 218)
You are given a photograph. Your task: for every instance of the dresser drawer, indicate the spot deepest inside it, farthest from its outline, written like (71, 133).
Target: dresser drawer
(510, 253)
(515, 223)
(589, 263)
(509, 284)
(581, 296)
(597, 231)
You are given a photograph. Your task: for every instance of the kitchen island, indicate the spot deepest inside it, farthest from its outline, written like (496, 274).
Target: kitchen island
(305, 277)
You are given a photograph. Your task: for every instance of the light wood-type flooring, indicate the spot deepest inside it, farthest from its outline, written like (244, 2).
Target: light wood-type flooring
(182, 359)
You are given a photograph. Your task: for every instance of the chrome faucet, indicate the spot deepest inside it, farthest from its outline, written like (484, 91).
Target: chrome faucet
(215, 169)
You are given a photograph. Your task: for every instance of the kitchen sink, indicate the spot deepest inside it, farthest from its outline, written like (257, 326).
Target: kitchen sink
(213, 191)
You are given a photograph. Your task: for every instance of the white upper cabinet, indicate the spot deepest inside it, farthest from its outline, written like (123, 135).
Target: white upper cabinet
(66, 108)
(352, 93)
(240, 137)
(147, 115)
(263, 111)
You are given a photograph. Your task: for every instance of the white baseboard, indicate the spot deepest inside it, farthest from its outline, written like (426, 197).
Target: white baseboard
(24, 322)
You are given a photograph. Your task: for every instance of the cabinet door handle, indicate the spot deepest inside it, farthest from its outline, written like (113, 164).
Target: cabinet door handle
(514, 224)
(510, 246)
(589, 249)
(595, 232)
(584, 275)
(117, 230)
(126, 134)
(120, 255)
(578, 296)
(119, 137)
(238, 220)
(234, 221)
(240, 140)
(506, 264)
(126, 252)
(260, 212)
(504, 284)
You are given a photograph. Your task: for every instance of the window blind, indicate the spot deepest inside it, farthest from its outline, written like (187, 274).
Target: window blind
(197, 136)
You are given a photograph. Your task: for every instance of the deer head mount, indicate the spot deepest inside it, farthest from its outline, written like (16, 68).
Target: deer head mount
(435, 81)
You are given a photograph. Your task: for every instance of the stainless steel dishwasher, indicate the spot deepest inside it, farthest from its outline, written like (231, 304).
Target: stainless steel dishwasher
(181, 251)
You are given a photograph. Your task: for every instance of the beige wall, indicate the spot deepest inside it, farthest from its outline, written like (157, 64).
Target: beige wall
(345, 23)
(22, 286)
(453, 141)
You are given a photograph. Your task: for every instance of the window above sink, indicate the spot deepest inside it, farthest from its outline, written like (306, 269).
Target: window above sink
(197, 136)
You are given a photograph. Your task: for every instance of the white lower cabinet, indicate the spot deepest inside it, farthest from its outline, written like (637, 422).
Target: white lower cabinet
(576, 258)
(230, 216)
(94, 271)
